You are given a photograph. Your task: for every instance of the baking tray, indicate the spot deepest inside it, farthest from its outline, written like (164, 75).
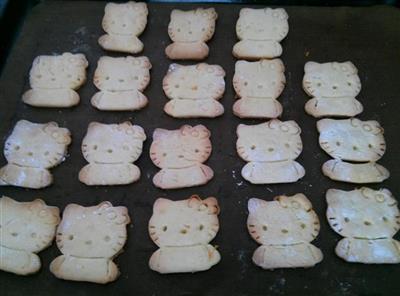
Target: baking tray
(369, 37)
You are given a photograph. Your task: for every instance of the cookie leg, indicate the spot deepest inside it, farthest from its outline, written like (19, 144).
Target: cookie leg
(18, 261)
(58, 98)
(27, 177)
(109, 174)
(122, 43)
(95, 270)
(187, 51)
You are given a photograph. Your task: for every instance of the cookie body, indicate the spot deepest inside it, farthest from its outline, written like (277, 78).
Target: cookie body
(259, 32)
(258, 85)
(27, 229)
(121, 82)
(123, 24)
(189, 31)
(333, 87)
(270, 149)
(32, 149)
(111, 150)
(89, 238)
(183, 229)
(367, 219)
(53, 80)
(285, 227)
(194, 90)
(180, 155)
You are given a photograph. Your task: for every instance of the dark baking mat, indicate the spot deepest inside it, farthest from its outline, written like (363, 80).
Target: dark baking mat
(369, 37)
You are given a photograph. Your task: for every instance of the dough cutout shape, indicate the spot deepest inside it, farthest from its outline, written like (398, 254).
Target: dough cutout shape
(180, 155)
(367, 219)
(26, 229)
(189, 31)
(194, 90)
(54, 80)
(123, 23)
(121, 82)
(333, 87)
(284, 227)
(111, 150)
(258, 85)
(356, 141)
(31, 150)
(270, 149)
(259, 32)
(89, 238)
(183, 230)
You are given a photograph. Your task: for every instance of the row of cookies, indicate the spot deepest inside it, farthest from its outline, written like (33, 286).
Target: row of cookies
(354, 144)
(270, 149)
(90, 237)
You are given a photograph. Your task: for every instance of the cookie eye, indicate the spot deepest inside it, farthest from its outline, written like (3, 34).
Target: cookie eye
(164, 154)
(367, 223)
(94, 147)
(264, 227)
(70, 237)
(196, 150)
(109, 150)
(245, 83)
(337, 143)
(347, 220)
(107, 238)
(284, 230)
(270, 149)
(17, 148)
(253, 147)
(319, 84)
(349, 83)
(334, 87)
(201, 227)
(183, 231)
(164, 228)
(303, 226)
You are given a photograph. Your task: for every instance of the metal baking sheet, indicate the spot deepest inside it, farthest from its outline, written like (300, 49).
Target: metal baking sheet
(369, 37)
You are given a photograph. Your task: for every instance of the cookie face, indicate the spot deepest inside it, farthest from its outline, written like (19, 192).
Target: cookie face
(37, 145)
(270, 141)
(122, 74)
(62, 71)
(199, 81)
(352, 139)
(286, 220)
(363, 213)
(331, 80)
(92, 232)
(125, 19)
(262, 24)
(28, 226)
(180, 148)
(262, 79)
(113, 143)
(184, 223)
(193, 25)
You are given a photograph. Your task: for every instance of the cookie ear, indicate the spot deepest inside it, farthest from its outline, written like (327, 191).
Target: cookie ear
(212, 204)
(351, 68)
(161, 204)
(240, 130)
(302, 200)
(281, 13)
(323, 124)
(244, 12)
(373, 127)
(203, 132)
(311, 67)
(159, 133)
(254, 204)
(138, 132)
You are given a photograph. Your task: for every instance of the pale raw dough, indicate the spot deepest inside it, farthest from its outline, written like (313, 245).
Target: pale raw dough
(333, 87)
(89, 238)
(121, 82)
(284, 227)
(368, 219)
(189, 31)
(194, 90)
(124, 22)
(32, 149)
(258, 85)
(358, 173)
(111, 150)
(270, 149)
(53, 80)
(180, 154)
(259, 32)
(182, 229)
(26, 229)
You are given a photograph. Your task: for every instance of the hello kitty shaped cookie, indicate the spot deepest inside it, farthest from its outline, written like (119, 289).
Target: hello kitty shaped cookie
(270, 149)
(189, 31)
(182, 230)
(54, 79)
(258, 85)
(356, 141)
(284, 227)
(180, 155)
(31, 150)
(111, 150)
(259, 32)
(123, 23)
(26, 229)
(89, 238)
(333, 87)
(367, 219)
(194, 90)
(121, 82)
